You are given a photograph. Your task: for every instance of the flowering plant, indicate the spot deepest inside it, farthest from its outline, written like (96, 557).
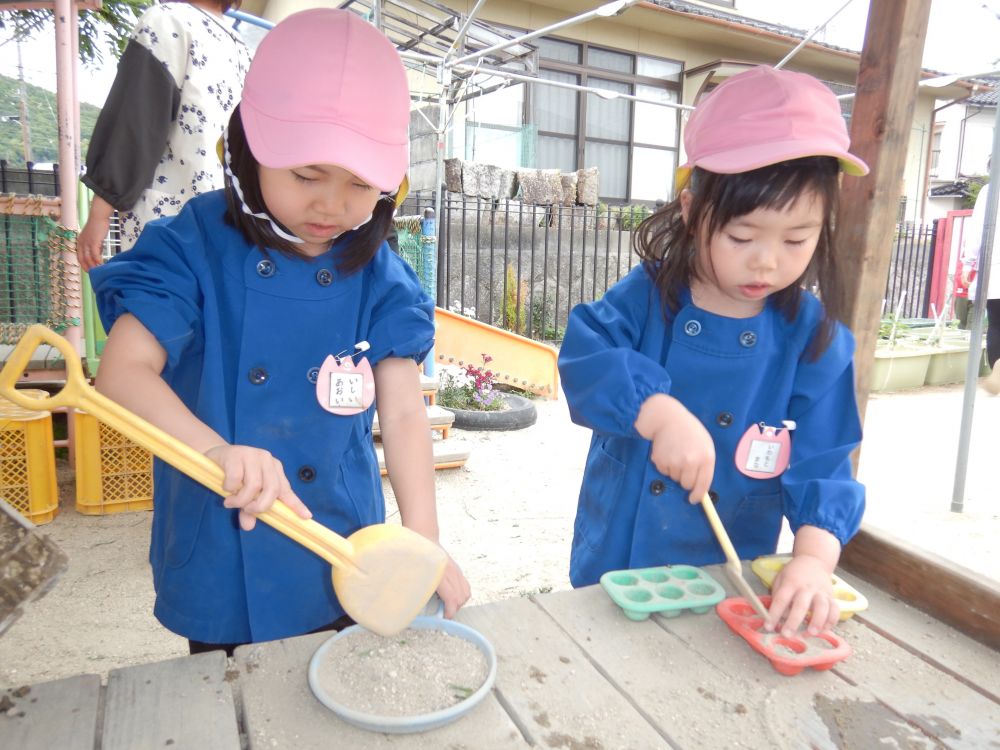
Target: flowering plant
(472, 387)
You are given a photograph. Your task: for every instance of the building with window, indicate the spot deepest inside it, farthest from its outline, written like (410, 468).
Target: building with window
(654, 52)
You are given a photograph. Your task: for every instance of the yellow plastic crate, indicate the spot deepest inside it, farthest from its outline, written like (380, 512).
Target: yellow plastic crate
(113, 474)
(27, 461)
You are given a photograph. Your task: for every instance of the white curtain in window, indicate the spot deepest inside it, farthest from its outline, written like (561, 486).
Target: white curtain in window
(602, 58)
(555, 153)
(502, 107)
(555, 108)
(655, 125)
(653, 174)
(608, 118)
(554, 49)
(654, 68)
(611, 160)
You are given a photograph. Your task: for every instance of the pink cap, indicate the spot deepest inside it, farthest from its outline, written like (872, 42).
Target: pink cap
(764, 116)
(326, 87)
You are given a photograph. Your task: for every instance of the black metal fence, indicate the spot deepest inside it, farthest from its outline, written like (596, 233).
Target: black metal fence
(523, 267)
(28, 180)
(911, 268)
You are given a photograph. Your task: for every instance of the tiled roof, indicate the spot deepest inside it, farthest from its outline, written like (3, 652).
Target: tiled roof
(774, 28)
(984, 98)
(950, 190)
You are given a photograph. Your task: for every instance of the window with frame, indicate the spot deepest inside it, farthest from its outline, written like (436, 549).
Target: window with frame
(633, 144)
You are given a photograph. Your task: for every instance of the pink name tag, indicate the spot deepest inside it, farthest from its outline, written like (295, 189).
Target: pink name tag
(763, 451)
(343, 387)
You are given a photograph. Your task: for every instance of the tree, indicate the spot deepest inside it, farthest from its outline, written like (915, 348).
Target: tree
(116, 18)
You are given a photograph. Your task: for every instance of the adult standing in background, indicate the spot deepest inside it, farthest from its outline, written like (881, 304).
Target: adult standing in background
(972, 239)
(154, 144)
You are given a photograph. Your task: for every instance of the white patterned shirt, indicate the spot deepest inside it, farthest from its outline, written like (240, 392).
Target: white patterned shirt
(153, 147)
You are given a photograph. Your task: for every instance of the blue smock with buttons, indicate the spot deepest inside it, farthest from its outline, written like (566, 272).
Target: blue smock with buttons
(245, 333)
(730, 373)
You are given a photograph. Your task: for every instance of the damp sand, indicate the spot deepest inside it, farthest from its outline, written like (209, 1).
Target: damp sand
(409, 674)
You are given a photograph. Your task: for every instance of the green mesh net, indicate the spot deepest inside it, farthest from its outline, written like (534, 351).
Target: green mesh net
(35, 285)
(419, 250)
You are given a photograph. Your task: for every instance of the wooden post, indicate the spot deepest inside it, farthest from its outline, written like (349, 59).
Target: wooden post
(880, 131)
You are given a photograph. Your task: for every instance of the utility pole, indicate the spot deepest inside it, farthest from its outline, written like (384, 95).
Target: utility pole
(25, 130)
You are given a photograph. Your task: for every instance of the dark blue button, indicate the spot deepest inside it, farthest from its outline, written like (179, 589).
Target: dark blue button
(307, 473)
(324, 277)
(692, 328)
(724, 419)
(313, 374)
(265, 268)
(657, 486)
(713, 496)
(748, 339)
(257, 375)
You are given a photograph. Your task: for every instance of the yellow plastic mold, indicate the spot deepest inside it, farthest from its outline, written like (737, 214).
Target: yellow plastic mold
(848, 598)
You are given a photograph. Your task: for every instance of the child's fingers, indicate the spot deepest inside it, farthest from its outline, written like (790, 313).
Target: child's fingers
(824, 615)
(796, 613)
(247, 520)
(818, 615)
(289, 498)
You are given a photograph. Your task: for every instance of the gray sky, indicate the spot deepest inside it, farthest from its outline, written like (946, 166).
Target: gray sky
(963, 37)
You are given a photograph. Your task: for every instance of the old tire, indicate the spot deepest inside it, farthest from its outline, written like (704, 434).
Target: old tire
(520, 413)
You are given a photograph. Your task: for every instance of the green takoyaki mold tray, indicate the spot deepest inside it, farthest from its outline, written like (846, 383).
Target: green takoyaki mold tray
(668, 589)
(849, 599)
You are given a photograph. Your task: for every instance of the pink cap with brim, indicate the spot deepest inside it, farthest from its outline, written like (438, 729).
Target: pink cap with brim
(326, 87)
(764, 116)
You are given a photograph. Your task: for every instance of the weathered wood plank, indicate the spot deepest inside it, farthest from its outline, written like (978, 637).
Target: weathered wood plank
(931, 639)
(59, 714)
(949, 592)
(550, 684)
(704, 687)
(944, 707)
(280, 711)
(183, 702)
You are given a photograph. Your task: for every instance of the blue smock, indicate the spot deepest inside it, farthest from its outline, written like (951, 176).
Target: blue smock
(731, 373)
(245, 334)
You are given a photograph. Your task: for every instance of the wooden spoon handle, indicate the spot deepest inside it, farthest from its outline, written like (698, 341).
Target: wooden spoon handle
(734, 568)
(79, 394)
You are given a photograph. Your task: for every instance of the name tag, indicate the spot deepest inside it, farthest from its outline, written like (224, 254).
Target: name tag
(343, 387)
(346, 390)
(764, 451)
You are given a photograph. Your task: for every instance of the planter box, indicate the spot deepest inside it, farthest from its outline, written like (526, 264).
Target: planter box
(948, 365)
(900, 368)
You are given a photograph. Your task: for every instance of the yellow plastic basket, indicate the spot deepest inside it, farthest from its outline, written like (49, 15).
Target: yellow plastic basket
(27, 461)
(113, 474)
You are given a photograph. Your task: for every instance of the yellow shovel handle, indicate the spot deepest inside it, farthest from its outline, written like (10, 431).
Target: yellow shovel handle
(79, 394)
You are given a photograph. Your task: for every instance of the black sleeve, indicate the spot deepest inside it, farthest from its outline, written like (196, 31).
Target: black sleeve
(131, 132)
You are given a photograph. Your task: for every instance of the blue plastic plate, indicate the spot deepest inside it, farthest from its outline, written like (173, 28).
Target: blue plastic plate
(409, 724)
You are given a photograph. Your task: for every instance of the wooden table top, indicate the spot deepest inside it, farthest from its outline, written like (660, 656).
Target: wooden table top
(573, 672)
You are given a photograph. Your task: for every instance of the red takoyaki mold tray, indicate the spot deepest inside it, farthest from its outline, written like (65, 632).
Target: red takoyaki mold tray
(787, 655)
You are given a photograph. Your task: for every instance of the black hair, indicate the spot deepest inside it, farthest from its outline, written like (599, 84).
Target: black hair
(667, 244)
(363, 243)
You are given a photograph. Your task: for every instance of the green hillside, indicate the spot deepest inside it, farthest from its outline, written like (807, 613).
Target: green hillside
(42, 123)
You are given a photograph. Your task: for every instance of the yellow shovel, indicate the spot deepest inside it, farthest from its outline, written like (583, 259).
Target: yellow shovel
(383, 574)
(734, 569)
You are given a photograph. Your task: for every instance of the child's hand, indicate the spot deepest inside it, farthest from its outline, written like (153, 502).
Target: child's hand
(803, 586)
(256, 479)
(454, 589)
(682, 448)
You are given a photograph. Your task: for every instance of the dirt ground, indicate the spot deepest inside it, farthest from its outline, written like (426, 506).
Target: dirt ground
(507, 517)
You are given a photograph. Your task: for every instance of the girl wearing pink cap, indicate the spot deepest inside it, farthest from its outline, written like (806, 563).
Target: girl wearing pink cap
(262, 324)
(712, 367)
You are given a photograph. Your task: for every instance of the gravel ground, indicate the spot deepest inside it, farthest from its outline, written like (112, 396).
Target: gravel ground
(507, 517)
